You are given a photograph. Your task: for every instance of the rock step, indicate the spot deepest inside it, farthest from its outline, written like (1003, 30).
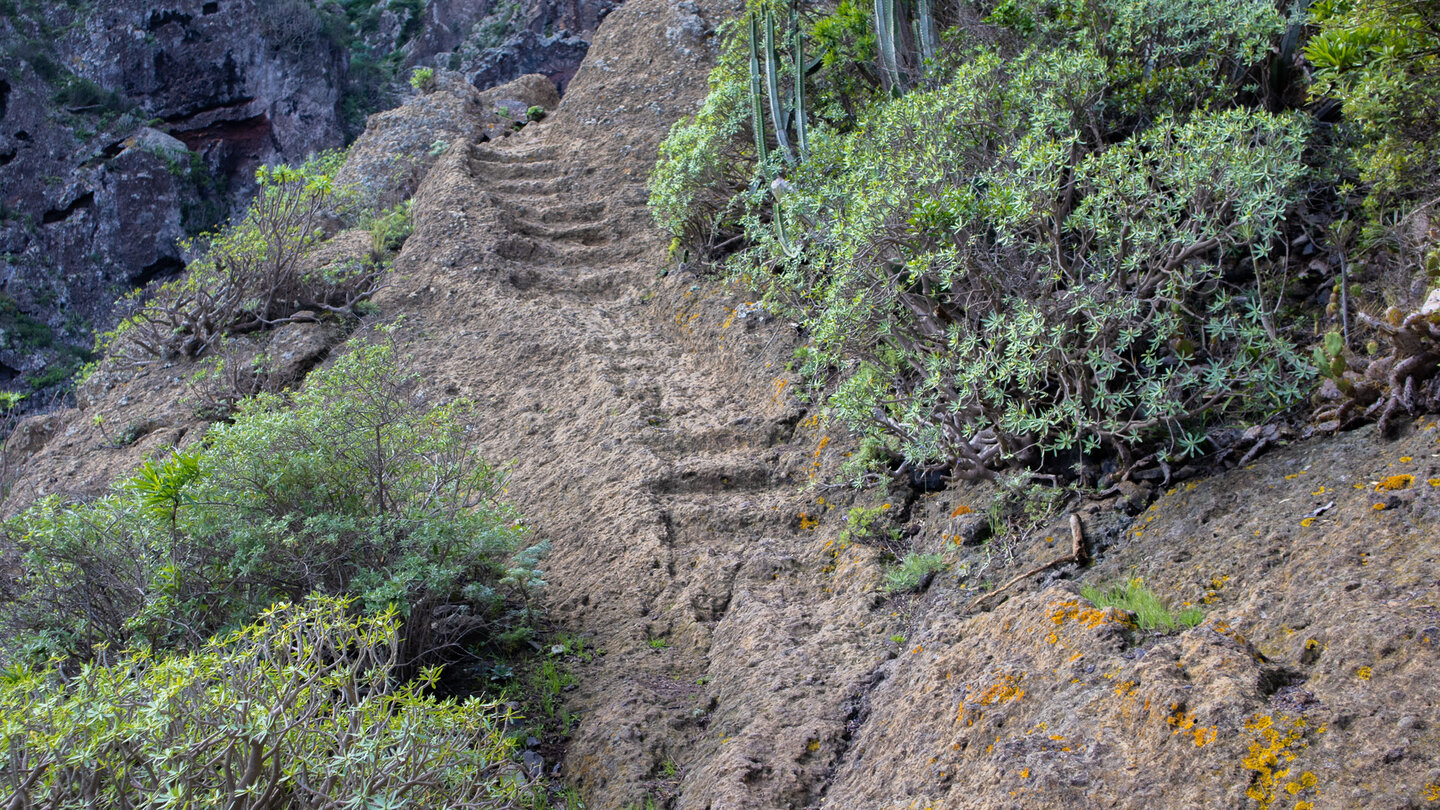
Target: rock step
(529, 189)
(511, 156)
(563, 214)
(589, 234)
(735, 471)
(534, 170)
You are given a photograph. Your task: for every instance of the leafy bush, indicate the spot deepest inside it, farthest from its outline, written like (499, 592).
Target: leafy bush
(422, 79)
(352, 487)
(298, 710)
(707, 159)
(1151, 612)
(1381, 60)
(253, 275)
(1056, 257)
(911, 572)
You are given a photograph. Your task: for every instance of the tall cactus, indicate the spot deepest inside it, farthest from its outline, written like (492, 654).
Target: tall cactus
(925, 32)
(772, 85)
(782, 111)
(797, 53)
(887, 43)
(757, 107)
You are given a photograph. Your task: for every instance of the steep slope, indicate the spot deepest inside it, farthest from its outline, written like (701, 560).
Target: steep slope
(749, 659)
(658, 461)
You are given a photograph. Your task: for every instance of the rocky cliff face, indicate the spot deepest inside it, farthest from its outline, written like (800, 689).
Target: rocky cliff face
(126, 126)
(748, 655)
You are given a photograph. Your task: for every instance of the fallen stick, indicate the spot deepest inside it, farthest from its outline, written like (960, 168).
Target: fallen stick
(1077, 555)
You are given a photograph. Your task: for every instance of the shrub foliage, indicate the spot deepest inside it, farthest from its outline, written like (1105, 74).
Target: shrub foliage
(299, 710)
(1056, 250)
(254, 275)
(351, 487)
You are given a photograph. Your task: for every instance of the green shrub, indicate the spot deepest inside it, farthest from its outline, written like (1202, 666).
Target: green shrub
(422, 79)
(1381, 60)
(389, 229)
(535, 113)
(298, 710)
(911, 571)
(1151, 612)
(253, 275)
(708, 158)
(1057, 257)
(352, 487)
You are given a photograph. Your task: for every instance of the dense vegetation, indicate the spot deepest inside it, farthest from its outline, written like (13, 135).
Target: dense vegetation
(1056, 235)
(301, 709)
(147, 665)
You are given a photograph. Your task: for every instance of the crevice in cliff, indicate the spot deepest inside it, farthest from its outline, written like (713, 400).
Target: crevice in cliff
(165, 267)
(858, 713)
(55, 215)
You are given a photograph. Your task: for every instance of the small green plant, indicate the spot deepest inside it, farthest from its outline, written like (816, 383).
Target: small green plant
(668, 769)
(422, 79)
(898, 638)
(658, 643)
(535, 113)
(864, 523)
(911, 571)
(1151, 612)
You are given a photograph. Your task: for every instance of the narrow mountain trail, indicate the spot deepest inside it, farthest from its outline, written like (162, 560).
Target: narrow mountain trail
(653, 446)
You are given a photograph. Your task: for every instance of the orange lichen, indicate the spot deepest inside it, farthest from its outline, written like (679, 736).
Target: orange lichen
(1305, 522)
(1364, 673)
(1431, 793)
(962, 509)
(1070, 611)
(1406, 459)
(1379, 507)
(807, 522)
(1271, 752)
(1005, 690)
(1395, 482)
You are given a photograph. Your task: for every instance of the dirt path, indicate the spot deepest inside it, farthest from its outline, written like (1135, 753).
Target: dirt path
(651, 448)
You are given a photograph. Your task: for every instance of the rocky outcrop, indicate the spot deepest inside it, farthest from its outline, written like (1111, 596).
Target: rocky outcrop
(399, 146)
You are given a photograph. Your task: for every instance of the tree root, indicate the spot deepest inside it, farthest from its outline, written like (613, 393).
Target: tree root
(1077, 555)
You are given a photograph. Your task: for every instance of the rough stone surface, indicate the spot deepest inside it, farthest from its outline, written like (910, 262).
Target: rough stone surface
(93, 200)
(686, 497)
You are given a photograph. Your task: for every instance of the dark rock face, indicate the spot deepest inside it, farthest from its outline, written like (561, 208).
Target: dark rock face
(557, 56)
(126, 130)
(241, 82)
(495, 42)
(128, 125)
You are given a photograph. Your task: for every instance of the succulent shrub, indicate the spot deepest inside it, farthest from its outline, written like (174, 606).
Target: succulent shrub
(1381, 60)
(1055, 254)
(253, 275)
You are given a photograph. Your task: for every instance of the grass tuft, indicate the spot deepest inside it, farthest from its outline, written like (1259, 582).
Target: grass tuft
(1151, 612)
